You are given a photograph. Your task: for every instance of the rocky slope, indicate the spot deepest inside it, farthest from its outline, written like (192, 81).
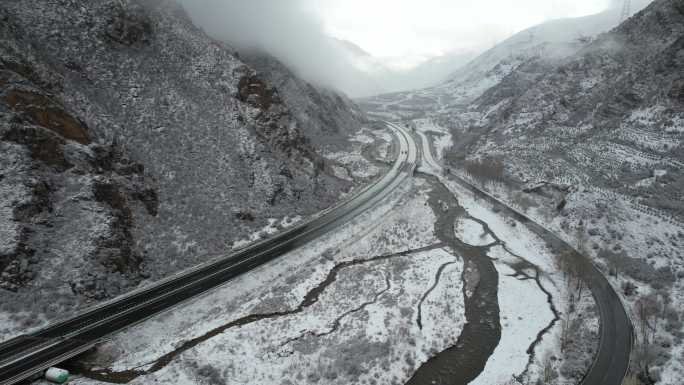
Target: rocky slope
(552, 40)
(326, 116)
(590, 143)
(132, 146)
(609, 116)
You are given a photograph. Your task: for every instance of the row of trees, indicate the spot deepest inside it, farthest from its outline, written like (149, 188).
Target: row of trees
(486, 170)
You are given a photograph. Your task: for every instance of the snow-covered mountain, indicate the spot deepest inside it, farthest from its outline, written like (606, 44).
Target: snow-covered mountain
(327, 117)
(611, 113)
(379, 78)
(553, 40)
(596, 140)
(133, 145)
(586, 136)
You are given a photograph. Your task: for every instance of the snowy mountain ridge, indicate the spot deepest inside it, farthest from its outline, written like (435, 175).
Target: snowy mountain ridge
(587, 138)
(134, 145)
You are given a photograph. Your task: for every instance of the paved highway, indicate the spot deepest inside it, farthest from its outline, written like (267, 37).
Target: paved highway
(616, 334)
(29, 354)
(426, 153)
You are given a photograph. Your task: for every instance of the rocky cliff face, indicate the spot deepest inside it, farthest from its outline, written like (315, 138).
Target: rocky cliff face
(132, 145)
(326, 116)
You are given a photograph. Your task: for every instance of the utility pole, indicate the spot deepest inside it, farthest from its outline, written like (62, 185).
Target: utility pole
(626, 10)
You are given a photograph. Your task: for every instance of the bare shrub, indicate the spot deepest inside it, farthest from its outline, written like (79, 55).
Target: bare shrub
(647, 309)
(489, 169)
(629, 289)
(211, 374)
(549, 373)
(637, 268)
(521, 200)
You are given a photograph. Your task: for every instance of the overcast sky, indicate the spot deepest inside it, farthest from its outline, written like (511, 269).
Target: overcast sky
(400, 33)
(419, 28)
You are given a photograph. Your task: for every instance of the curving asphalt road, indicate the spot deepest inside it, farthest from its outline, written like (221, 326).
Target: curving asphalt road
(26, 355)
(611, 362)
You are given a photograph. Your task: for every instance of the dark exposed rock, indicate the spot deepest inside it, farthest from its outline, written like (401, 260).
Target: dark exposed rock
(40, 203)
(25, 71)
(129, 26)
(180, 134)
(150, 199)
(252, 90)
(327, 114)
(677, 91)
(117, 252)
(15, 268)
(561, 205)
(245, 216)
(112, 158)
(45, 146)
(107, 192)
(43, 111)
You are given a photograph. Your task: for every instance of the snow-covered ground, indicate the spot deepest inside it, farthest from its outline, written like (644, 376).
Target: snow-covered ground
(521, 320)
(353, 164)
(443, 139)
(369, 303)
(274, 225)
(472, 232)
(611, 221)
(532, 292)
(343, 310)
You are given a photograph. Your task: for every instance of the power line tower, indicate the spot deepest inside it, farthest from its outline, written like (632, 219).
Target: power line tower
(626, 10)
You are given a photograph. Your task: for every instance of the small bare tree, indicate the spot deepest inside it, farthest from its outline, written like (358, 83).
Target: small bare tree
(647, 309)
(567, 320)
(614, 261)
(548, 371)
(581, 238)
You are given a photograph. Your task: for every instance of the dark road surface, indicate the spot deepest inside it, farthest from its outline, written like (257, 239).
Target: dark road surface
(26, 355)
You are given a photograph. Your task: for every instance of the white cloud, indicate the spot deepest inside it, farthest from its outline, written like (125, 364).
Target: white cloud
(281, 28)
(405, 28)
(401, 34)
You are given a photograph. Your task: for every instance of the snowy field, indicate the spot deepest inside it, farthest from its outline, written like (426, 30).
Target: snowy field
(524, 307)
(532, 292)
(611, 221)
(353, 164)
(367, 304)
(344, 310)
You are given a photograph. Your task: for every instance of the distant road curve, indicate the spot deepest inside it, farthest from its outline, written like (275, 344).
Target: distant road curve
(611, 362)
(26, 355)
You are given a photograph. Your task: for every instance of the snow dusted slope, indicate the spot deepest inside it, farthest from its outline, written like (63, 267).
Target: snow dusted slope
(556, 38)
(591, 145)
(610, 115)
(585, 135)
(552, 40)
(326, 116)
(132, 145)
